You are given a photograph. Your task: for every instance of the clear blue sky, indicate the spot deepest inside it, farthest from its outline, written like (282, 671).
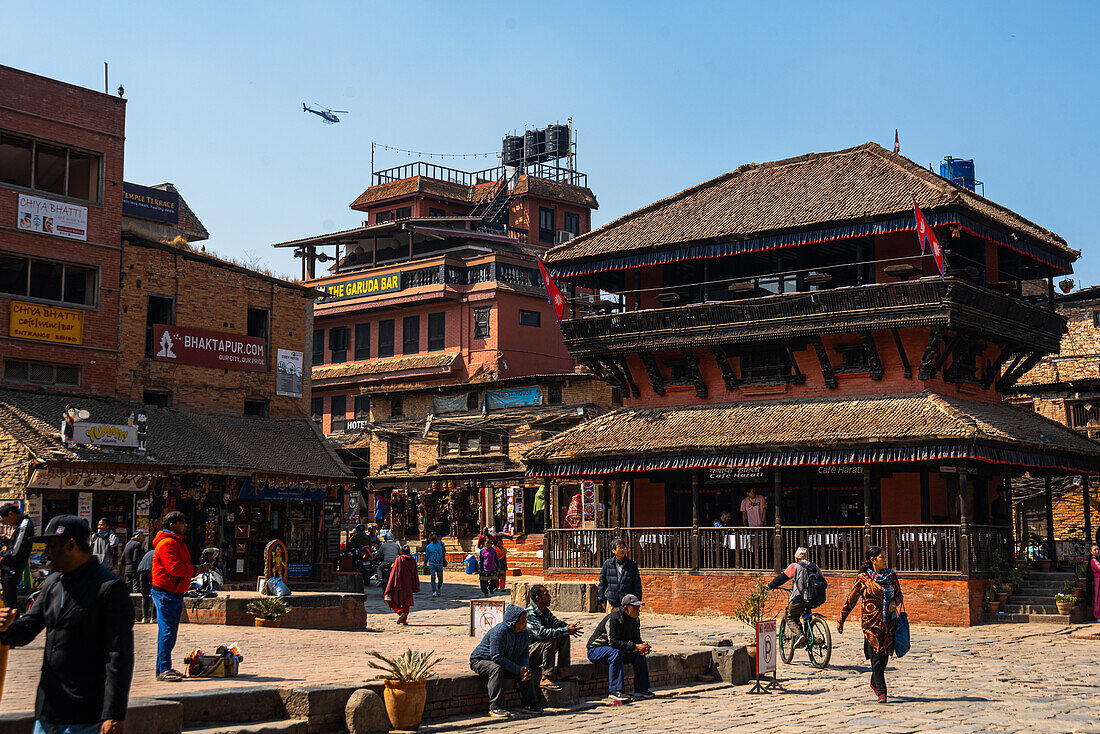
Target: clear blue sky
(664, 95)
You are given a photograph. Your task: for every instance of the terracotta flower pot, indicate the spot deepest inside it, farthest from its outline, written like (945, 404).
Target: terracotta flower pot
(405, 703)
(1001, 597)
(261, 622)
(1042, 565)
(994, 607)
(1064, 607)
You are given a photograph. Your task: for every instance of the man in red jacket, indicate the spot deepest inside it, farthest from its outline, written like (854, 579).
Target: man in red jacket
(172, 574)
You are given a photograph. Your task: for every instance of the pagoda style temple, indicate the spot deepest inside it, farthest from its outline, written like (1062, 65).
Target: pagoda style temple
(777, 329)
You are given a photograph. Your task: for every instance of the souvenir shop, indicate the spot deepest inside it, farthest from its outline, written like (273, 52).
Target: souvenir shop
(455, 508)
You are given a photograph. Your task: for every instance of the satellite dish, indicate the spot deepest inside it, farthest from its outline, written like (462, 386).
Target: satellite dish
(83, 414)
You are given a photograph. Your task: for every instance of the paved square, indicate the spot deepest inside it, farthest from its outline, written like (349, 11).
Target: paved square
(1005, 678)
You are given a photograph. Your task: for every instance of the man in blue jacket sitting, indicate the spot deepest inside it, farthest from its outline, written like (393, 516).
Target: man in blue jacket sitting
(618, 577)
(503, 654)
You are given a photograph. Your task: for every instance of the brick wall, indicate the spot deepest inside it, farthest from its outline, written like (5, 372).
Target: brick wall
(208, 295)
(52, 111)
(949, 602)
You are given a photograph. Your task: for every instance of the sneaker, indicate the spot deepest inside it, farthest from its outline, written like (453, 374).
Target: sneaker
(644, 694)
(800, 641)
(620, 696)
(533, 710)
(500, 713)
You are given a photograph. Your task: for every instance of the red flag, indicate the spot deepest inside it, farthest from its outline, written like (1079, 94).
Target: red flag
(897, 143)
(553, 293)
(927, 238)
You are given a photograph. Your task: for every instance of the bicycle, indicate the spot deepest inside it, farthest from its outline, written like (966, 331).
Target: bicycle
(819, 641)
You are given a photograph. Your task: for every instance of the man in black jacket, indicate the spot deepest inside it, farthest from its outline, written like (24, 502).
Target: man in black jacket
(16, 554)
(132, 553)
(618, 577)
(618, 640)
(89, 621)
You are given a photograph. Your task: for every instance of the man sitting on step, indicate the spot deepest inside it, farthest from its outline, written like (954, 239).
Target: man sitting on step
(549, 638)
(618, 640)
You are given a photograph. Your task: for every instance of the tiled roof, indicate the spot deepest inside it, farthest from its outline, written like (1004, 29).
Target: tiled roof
(176, 438)
(874, 420)
(414, 185)
(536, 186)
(383, 366)
(850, 185)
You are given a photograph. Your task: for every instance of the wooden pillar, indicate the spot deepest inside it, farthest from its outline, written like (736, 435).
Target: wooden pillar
(1052, 552)
(695, 499)
(546, 517)
(866, 507)
(1088, 543)
(778, 540)
(616, 515)
(804, 517)
(964, 522)
(925, 498)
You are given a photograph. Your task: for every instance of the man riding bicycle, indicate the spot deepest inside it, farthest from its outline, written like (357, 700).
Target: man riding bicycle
(802, 573)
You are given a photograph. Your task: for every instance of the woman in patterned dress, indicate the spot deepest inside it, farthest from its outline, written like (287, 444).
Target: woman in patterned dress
(878, 594)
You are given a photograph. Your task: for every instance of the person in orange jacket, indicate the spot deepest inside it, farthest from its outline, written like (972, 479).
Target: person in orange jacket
(172, 574)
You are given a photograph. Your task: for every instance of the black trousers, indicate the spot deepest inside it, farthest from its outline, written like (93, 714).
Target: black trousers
(496, 676)
(545, 653)
(878, 669)
(141, 582)
(9, 580)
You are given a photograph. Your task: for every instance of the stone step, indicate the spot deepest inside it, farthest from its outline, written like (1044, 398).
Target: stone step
(1029, 608)
(1026, 618)
(1047, 599)
(285, 726)
(1048, 576)
(567, 697)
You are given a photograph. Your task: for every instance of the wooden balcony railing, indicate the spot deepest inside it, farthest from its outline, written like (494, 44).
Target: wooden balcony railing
(949, 303)
(920, 550)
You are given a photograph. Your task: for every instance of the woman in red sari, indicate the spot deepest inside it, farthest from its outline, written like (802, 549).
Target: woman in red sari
(1094, 567)
(402, 584)
(878, 594)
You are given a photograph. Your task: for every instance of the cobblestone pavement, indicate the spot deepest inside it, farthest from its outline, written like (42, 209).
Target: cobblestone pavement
(1031, 678)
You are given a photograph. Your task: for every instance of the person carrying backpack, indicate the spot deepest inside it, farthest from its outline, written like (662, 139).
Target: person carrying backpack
(807, 591)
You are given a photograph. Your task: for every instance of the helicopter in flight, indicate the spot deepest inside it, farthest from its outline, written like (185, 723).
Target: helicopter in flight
(326, 115)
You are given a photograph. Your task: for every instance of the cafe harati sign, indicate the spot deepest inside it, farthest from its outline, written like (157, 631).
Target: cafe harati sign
(209, 348)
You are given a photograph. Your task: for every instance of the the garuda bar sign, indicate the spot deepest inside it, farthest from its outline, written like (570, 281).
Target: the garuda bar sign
(371, 285)
(209, 348)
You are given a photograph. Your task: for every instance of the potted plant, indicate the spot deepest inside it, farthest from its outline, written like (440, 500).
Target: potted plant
(752, 609)
(267, 610)
(999, 594)
(991, 604)
(1064, 602)
(406, 677)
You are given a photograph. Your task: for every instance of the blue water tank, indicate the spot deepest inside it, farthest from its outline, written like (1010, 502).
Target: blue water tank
(959, 170)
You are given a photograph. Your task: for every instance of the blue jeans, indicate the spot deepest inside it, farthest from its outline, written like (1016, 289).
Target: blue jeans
(436, 572)
(169, 609)
(615, 659)
(44, 727)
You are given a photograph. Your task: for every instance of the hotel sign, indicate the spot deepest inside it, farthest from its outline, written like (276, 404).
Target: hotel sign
(372, 285)
(46, 323)
(209, 348)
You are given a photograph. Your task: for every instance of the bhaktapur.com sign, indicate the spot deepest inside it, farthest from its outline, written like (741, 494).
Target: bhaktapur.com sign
(52, 217)
(209, 348)
(357, 287)
(46, 323)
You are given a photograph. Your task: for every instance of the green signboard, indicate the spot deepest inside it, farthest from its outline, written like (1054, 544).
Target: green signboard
(369, 285)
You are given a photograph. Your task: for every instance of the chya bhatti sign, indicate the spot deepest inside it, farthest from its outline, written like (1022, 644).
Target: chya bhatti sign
(288, 375)
(209, 348)
(105, 434)
(143, 202)
(357, 287)
(47, 216)
(46, 323)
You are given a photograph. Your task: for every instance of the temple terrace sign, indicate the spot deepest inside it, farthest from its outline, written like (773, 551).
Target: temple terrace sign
(358, 287)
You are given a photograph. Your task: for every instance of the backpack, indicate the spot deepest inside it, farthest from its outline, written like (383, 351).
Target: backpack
(814, 590)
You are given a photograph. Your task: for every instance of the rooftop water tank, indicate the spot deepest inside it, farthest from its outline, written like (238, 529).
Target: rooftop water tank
(534, 145)
(512, 152)
(557, 141)
(959, 170)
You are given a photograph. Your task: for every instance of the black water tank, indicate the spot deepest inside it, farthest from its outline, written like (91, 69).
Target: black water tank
(557, 141)
(534, 145)
(512, 153)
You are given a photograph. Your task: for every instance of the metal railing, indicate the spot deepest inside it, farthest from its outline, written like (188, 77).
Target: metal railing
(440, 173)
(923, 550)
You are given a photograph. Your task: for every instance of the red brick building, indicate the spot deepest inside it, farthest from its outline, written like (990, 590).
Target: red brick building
(780, 330)
(61, 151)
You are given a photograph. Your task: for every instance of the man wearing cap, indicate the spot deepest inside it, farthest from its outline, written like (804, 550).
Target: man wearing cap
(798, 605)
(618, 640)
(13, 561)
(89, 621)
